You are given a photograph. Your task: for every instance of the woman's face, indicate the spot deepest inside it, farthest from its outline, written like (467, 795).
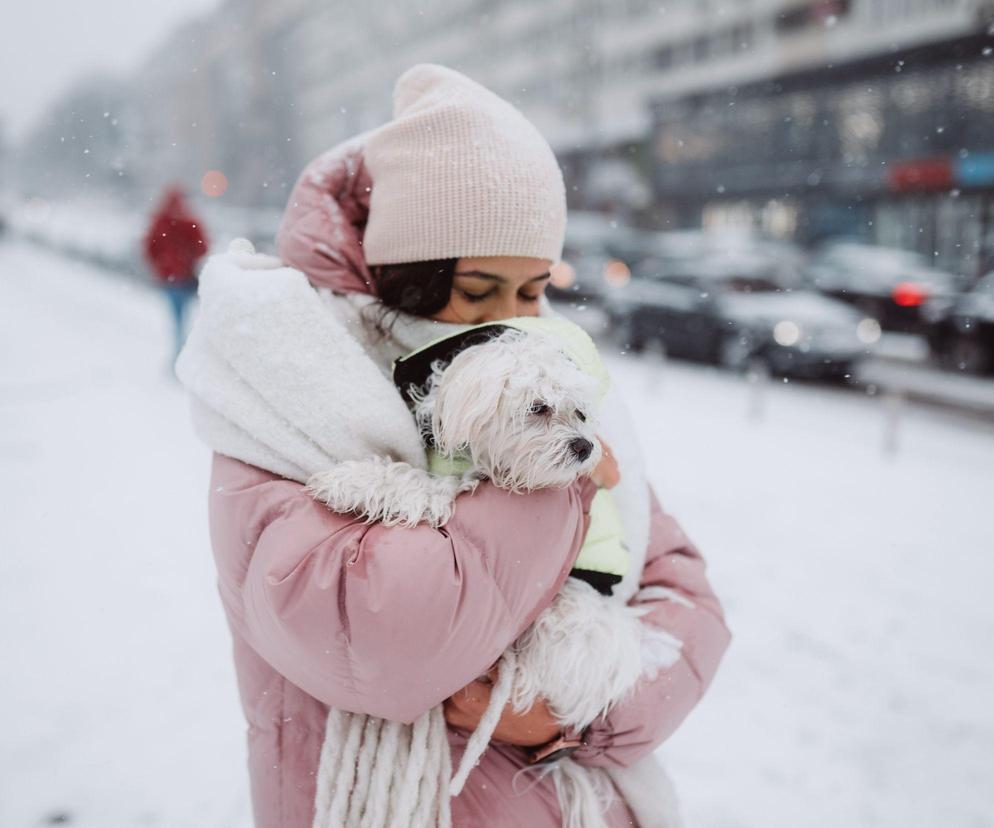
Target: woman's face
(489, 288)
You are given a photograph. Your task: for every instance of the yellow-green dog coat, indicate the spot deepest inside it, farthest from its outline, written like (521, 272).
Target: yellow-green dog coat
(603, 559)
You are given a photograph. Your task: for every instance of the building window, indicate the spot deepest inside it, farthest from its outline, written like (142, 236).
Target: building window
(700, 49)
(664, 57)
(742, 35)
(723, 43)
(815, 13)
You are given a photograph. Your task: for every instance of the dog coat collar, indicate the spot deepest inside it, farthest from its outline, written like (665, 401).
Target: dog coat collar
(411, 372)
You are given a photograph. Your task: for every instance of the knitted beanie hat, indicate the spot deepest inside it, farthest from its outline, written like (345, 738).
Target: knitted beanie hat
(459, 172)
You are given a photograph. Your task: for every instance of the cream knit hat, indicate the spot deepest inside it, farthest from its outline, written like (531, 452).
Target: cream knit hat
(460, 172)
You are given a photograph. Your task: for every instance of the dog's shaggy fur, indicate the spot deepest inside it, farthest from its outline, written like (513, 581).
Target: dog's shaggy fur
(516, 409)
(388, 492)
(580, 629)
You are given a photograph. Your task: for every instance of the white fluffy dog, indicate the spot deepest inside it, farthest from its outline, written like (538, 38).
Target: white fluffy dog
(515, 410)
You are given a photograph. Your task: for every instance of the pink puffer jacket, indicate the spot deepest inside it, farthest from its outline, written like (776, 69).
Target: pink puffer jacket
(325, 610)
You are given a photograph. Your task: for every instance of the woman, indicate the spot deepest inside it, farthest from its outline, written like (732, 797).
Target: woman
(451, 213)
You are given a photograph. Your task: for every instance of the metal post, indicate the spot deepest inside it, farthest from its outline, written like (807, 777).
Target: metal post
(758, 382)
(985, 256)
(894, 406)
(654, 373)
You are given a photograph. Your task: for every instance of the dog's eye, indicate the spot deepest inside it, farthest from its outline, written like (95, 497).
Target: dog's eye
(541, 409)
(581, 416)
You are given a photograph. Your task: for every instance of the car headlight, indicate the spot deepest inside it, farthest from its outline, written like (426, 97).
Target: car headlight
(617, 273)
(868, 331)
(786, 333)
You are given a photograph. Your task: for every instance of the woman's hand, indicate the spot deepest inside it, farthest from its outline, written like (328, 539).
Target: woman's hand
(605, 473)
(530, 729)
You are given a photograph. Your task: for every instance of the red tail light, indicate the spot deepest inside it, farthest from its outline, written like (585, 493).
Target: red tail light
(909, 294)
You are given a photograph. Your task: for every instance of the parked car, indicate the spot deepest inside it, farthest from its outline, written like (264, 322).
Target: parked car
(886, 283)
(593, 258)
(601, 251)
(962, 330)
(786, 260)
(735, 313)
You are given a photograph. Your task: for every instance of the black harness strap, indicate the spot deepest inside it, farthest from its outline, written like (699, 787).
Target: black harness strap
(412, 371)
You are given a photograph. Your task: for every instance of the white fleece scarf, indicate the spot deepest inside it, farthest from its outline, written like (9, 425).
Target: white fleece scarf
(275, 369)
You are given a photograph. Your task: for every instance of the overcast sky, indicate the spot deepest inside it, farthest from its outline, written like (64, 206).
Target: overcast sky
(46, 44)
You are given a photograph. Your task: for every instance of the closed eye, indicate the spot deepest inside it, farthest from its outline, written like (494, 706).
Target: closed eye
(477, 297)
(582, 417)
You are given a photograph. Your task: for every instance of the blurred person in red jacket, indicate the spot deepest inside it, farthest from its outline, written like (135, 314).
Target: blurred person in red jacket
(173, 245)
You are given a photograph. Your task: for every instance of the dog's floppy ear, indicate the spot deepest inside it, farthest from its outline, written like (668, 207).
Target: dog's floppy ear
(463, 398)
(422, 398)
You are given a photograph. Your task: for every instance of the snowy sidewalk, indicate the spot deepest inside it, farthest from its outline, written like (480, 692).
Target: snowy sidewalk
(118, 704)
(857, 689)
(856, 692)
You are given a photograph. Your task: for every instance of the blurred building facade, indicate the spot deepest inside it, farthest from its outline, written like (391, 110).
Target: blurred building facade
(219, 95)
(808, 118)
(864, 118)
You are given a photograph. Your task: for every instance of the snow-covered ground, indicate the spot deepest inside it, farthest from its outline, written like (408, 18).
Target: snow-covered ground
(118, 704)
(856, 693)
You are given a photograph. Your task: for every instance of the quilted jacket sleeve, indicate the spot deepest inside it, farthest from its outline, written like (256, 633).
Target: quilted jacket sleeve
(378, 620)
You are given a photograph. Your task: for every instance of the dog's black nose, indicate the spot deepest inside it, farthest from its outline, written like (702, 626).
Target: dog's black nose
(581, 448)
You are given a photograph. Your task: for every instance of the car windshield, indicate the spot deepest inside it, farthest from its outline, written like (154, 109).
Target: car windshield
(710, 280)
(749, 284)
(879, 258)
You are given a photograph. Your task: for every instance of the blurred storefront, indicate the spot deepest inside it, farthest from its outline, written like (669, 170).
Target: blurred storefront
(895, 148)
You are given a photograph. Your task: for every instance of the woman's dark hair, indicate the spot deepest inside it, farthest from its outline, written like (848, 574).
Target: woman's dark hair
(417, 288)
